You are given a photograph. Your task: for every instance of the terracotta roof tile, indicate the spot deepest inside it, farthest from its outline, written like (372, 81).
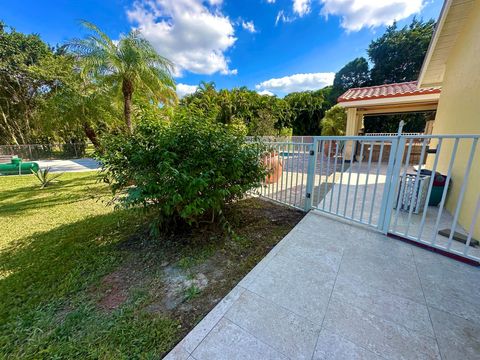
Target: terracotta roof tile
(386, 91)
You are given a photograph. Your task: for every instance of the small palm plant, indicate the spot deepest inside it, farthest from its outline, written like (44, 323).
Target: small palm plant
(45, 177)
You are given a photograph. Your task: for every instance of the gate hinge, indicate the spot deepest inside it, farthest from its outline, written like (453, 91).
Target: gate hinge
(309, 195)
(312, 152)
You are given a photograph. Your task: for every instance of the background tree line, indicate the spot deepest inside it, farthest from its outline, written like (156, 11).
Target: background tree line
(92, 86)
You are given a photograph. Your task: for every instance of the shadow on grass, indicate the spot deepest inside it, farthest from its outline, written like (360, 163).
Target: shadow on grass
(65, 191)
(50, 265)
(46, 310)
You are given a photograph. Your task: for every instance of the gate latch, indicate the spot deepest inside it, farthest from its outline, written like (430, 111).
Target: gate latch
(309, 195)
(312, 152)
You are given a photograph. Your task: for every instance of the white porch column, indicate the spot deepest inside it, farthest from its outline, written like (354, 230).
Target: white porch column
(354, 123)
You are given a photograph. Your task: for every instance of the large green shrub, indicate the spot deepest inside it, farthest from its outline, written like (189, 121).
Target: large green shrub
(187, 169)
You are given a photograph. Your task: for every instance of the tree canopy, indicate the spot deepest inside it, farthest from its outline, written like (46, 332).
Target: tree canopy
(355, 74)
(307, 112)
(94, 85)
(257, 114)
(398, 54)
(20, 88)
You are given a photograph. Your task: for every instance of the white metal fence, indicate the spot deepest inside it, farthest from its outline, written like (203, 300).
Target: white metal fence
(424, 188)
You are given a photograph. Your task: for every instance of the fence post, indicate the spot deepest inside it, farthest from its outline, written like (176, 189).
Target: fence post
(312, 161)
(391, 183)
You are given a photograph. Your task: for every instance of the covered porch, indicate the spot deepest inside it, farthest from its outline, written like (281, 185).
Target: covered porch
(388, 99)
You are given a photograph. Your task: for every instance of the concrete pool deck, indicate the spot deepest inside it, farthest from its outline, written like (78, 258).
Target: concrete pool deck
(334, 290)
(75, 165)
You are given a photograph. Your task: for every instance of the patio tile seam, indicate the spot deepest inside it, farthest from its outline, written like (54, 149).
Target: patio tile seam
(394, 294)
(302, 264)
(216, 322)
(281, 306)
(391, 321)
(429, 305)
(428, 308)
(389, 292)
(332, 331)
(328, 304)
(453, 314)
(402, 261)
(256, 338)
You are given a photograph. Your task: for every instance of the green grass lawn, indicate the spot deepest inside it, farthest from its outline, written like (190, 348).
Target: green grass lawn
(55, 243)
(80, 280)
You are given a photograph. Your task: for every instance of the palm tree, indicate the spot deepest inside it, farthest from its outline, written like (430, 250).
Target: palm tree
(129, 64)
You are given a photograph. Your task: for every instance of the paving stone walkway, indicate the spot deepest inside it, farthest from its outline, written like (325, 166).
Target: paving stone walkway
(332, 290)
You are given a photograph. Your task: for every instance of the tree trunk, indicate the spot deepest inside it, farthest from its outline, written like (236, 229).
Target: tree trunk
(91, 135)
(127, 89)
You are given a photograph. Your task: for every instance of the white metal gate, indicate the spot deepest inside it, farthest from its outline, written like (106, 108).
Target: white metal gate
(383, 182)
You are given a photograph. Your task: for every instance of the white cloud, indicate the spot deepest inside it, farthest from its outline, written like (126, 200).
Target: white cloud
(283, 18)
(249, 26)
(271, 1)
(265, 92)
(357, 14)
(192, 33)
(185, 89)
(297, 82)
(301, 7)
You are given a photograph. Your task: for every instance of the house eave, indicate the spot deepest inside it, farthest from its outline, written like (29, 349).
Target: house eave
(412, 99)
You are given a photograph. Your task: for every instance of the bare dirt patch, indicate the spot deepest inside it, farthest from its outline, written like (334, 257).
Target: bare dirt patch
(186, 275)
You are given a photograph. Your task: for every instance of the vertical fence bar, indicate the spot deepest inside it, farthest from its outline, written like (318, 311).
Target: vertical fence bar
(400, 196)
(296, 175)
(292, 172)
(285, 183)
(334, 176)
(287, 172)
(445, 190)
(393, 171)
(272, 162)
(416, 184)
(321, 155)
(462, 192)
(341, 178)
(312, 160)
(380, 156)
(430, 186)
(327, 173)
(281, 171)
(358, 179)
(366, 181)
(472, 226)
(302, 195)
(349, 177)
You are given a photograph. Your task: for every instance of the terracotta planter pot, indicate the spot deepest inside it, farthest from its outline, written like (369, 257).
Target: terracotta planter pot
(274, 166)
(333, 147)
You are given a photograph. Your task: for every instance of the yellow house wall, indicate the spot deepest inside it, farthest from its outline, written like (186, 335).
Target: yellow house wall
(459, 113)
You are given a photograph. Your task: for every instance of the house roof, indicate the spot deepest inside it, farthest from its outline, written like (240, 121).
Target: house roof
(450, 24)
(386, 91)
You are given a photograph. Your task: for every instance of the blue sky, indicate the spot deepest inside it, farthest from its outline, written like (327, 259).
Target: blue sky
(274, 46)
